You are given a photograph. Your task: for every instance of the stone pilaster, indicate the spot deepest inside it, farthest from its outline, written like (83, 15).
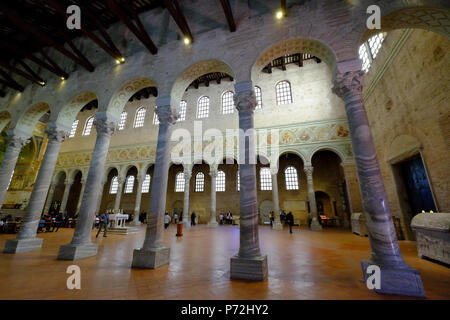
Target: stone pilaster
(26, 239)
(137, 203)
(120, 181)
(14, 143)
(275, 200)
(81, 245)
(314, 216)
(153, 253)
(248, 263)
(396, 276)
(212, 217)
(187, 180)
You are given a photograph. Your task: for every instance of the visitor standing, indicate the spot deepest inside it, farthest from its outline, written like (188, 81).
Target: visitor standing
(290, 221)
(167, 220)
(175, 218)
(193, 219)
(104, 217)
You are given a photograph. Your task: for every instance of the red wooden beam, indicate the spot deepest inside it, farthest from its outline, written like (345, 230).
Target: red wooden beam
(228, 14)
(21, 73)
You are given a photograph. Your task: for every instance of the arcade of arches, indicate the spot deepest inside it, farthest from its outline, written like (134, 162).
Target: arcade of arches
(347, 133)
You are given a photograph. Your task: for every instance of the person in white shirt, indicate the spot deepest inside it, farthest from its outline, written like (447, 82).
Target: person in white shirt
(167, 220)
(221, 219)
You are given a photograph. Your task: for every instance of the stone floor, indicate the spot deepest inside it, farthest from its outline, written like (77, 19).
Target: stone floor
(304, 265)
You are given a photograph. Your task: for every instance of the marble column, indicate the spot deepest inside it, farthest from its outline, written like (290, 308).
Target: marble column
(26, 238)
(187, 184)
(248, 263)
(396, 276)
(100, 197)
(14, 143)
(314, 216)
(137, 203)
(81, 245)
(51, 192)
(275, 200)
(120, 182)
(212, 216)
(153, 253)
(68, 185)
(83, 184)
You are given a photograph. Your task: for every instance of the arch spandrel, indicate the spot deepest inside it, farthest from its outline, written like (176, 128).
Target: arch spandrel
(27, 120)
(70, 110)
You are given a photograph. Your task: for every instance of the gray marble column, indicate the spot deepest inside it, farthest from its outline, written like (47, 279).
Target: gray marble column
(275, 200)
(187, 180)
(248, 263)
(314, 216)
(100, 197)
(51, 192)
(83, 185)
(14, 143)
(396, 276)
(81, 245)
(212, 217)
(120, 182)
(68, 185)
(137, 204)
(26, 239)
(153, 253)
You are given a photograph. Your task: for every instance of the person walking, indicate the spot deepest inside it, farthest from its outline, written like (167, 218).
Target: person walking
(104, 217)
(193, 218)
(290, 221)
(167, 220)
(175, 218)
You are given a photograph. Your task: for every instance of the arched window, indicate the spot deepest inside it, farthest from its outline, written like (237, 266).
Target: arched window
(182, 115)
(129, 184)
(73, 130)
(155, 119)
(220, 181)
(140, 117)
(265, 179)
(146, 184)
(227, 102)
(203, 108)
(179, 182)
(368, 51)
(258, 95)
(284, 94)
(88, 126)
(199, 182)
(123, 119)
(114, 185)
(10, 179)
(291, 178)
(238, 181)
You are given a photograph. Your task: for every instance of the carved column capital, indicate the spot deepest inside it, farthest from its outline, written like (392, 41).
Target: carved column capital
(348, 82)
(104, 126)
(309, 171)
(187, 174)
(245, 101)
(213, 172)
(68, 182)
(55, 134)
(17, 141)
(166, 114)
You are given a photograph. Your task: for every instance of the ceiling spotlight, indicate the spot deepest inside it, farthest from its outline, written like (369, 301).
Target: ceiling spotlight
(62, 78)
(279, 14)
(42, 83)
(122, 59)
(117, 61)
(187, 40)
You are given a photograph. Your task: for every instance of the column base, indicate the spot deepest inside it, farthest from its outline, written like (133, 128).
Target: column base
(254, 269)
(76, 252)
(22, 245)
(186, 224)
(150, 259)
(400, 281)
(212, 224)
(315, 226)
(277, 226)
(135, 223)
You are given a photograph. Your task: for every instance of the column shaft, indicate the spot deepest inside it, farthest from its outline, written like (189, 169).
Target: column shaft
(212, 218)
(68, 186)
(83, 184)
(51, 192)
(276, 203)
(137, 205)
(118, 195)
(314, 216)
(187, 179)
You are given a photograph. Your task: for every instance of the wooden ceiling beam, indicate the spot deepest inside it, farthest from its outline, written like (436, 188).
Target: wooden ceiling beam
(283, 7)
(109, 47)
(25, 27)
(10, 82)
(139, 30)
(21, 73)
(228, 14)
(177, 15)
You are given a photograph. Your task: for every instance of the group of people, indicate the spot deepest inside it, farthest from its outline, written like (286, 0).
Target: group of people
(4, 223)
(51, 223)
(226, 219)
(288, 219)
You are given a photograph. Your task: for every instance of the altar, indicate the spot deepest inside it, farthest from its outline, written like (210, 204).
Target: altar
(116, 224)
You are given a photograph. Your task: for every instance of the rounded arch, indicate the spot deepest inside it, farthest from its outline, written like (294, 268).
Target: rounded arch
(27, 121)
(59, 174)
(5, 118)
(74, 172)
(125, 92)
(108, 171)
(69, 112)
(293, 151)
(147, 166)
(193, 72)
(333, 149)
(291, 46)
(429, 18)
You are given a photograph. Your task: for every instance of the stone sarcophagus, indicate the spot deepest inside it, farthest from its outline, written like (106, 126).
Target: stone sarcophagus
(433, 235)
(359, 224)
